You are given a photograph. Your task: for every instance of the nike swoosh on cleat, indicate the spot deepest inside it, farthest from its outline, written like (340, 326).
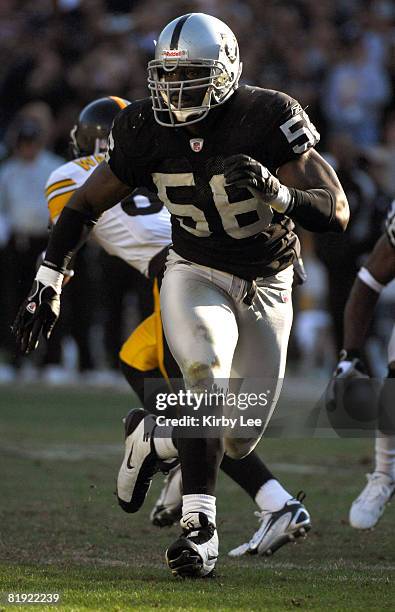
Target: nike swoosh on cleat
(130, 467)
(211, 558)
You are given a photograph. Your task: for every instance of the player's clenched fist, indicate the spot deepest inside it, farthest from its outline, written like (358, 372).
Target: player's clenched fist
(38, 313)
(243, 171)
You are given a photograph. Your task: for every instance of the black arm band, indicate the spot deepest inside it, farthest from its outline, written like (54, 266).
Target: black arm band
(314, 209)
(68, 235)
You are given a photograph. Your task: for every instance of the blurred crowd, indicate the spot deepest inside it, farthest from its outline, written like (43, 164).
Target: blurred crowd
(337, 57)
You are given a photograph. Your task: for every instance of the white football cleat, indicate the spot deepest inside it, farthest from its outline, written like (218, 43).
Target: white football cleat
(168, 507)
(195, 553)
(292, 521)
(140, 461)
(367, 509)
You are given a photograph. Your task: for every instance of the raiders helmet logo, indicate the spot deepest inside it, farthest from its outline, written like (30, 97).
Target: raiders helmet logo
(196, 144)
(230, 47)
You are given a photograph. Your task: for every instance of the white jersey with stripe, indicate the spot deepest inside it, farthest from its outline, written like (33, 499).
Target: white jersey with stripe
(134, 230)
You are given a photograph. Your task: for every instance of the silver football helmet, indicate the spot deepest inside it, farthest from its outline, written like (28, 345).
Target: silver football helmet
(196, 67)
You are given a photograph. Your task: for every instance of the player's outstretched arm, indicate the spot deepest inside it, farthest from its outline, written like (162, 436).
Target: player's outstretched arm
(100, 192)
(377, 272)
(40, 310)
(372, 278)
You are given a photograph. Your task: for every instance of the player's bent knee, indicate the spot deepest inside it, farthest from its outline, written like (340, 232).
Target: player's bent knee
(238, 448)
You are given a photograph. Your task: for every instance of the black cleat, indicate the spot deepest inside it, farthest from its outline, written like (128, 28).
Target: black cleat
(195, 552)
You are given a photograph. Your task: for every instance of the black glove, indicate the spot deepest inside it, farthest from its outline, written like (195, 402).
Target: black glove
(38, 313)
(242, 171)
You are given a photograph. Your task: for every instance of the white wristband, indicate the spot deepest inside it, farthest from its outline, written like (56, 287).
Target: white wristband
(50, 278)
(369, 280)
(283, 200)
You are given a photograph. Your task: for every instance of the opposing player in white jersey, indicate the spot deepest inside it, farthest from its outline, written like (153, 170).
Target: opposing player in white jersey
(138, 230)
(377, 272)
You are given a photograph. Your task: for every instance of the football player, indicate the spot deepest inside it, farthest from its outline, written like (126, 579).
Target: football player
(235, 165)
(377, 272)
(138, 231)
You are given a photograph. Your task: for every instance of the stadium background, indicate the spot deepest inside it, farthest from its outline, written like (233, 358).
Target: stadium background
(59, 450)
(336, 57)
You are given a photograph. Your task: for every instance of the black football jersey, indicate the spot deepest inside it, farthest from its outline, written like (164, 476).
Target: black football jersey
(212, 224)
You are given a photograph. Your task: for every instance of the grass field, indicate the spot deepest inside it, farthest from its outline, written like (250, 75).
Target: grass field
(61, 530)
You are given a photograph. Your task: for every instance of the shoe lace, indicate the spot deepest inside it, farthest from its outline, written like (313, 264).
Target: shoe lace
(375, 489)
(263, 517)
(263, 514)
(202, 533)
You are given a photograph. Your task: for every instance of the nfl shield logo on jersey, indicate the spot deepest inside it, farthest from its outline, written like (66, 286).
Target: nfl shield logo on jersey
(196, 144)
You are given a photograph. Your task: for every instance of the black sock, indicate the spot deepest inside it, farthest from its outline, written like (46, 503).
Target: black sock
(138, 379)
(250, 473)
(200, 459)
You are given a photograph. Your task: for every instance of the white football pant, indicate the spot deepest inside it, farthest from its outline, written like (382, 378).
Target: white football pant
(214, 335)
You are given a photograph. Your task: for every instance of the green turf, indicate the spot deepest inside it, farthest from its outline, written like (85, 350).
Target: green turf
(62, 531)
